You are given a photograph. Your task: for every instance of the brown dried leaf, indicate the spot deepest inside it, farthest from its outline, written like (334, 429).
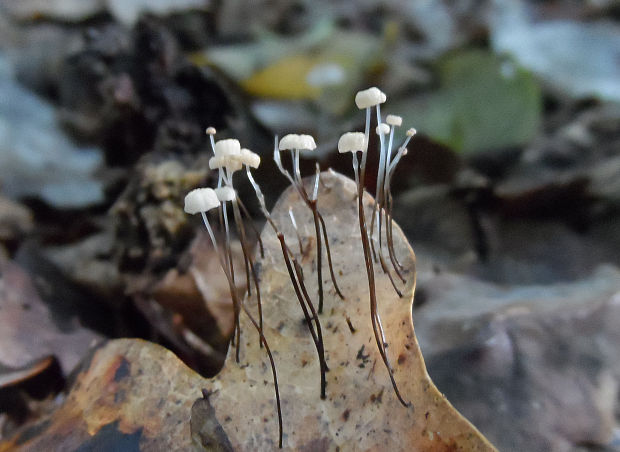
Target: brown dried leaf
(10, 376)
(29, 331)
(131, 395)
(361, 411)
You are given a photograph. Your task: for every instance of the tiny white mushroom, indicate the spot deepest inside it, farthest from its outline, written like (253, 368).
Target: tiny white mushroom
(216, 162)
(232, 163)
(210, 131)
(200, 200)
(293, 141)
(307, 143)
(401, 151)
(225, 194)
(394, 120)
(411, 132)
(289, 142)
(249, 158)
(352, 142)
(227, 147)
(369, 98)
(382, 129)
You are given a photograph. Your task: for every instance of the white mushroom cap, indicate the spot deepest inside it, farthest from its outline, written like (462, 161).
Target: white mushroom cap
(308, 143)
(225, 193)
(294, 141)
(216, 162)
(352, 142)
(201, 200)
(233, 164)
(382, 129)
(411, 132)
(210, 131)
(249, 158)
(394, 120)
(369, 98)
(229, 162)
(227, 147)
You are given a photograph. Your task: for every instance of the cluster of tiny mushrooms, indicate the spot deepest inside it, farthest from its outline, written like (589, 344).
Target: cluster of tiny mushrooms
(229, 158)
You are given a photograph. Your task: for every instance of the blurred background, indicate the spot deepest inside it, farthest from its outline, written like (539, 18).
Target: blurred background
(510, 193)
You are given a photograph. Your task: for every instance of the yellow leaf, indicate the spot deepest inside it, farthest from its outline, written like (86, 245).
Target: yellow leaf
(285, 79)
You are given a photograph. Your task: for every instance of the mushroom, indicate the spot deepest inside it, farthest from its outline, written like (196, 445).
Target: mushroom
(202, 200)
(293, 267)
(296, 143)
(366, 100)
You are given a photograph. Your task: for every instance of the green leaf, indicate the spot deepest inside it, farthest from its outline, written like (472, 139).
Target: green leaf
(484, 102)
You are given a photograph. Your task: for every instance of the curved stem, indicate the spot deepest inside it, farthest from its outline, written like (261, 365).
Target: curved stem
(249, 260)
(374, 315)
(301, 247)
(263, 340)
(319, 251)
(329, 258)
(319, 333)
(372, 232)
(249, 217)
(231, 270)
(296, 286)
(273, 371)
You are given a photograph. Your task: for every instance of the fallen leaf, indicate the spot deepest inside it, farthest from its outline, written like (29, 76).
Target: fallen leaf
(322, 65)
(290, 74)
(28, 329)
(15, 220)
(133, 395)
(130, 395)
(548, 352)
(361, 411)
(10, 376)
(579, 58)
(485, 102)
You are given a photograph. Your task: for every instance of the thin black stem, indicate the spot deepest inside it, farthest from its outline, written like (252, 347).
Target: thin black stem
(374, 315)
(256, 232)
(263, 340)
(246, 262)
(288, 255)
(231, 270)
(319, 251)
(372, 232)
(312, 205)
(329, 257)
(273, 371)
(386, 270)
(249, 261)
(319, 333)
(318, 344)
(301, 247)
(390, 232)
(390, 251)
